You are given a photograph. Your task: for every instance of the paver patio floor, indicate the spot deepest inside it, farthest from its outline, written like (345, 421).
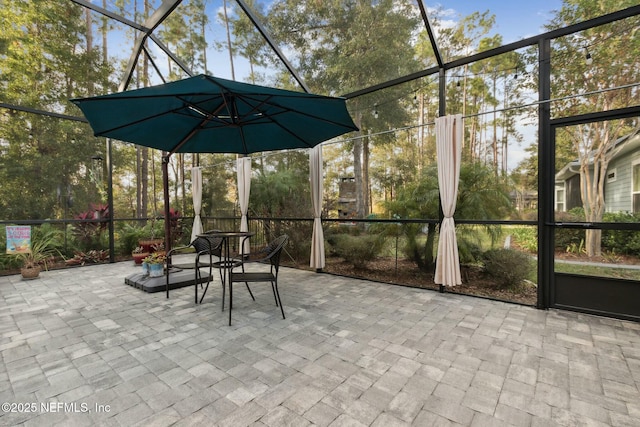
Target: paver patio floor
(79, 347)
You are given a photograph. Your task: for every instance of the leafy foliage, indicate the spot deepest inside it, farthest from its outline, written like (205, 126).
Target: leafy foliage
(93, 224)
(356, 250)
(90, 257)
(43, 248)
(569, 237)
(283, 192)
(625, 242)
(507, 266)
(481, 196)
(43, 66)
(526, 238)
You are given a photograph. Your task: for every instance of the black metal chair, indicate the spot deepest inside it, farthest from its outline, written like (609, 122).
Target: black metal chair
(205, 249)
(270, 254)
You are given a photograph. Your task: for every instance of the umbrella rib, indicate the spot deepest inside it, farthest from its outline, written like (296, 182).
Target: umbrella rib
(207, 118)
(291, 110)
(135, 122)
(267, 101)
(210, 116)
(187, 137)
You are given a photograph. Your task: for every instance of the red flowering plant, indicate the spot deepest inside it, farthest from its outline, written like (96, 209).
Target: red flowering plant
(90, 224)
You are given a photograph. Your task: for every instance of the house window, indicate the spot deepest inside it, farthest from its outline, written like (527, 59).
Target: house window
(635, 190)
(611, 175)
(560, 199)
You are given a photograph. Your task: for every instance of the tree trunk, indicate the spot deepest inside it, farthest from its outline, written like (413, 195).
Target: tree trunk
(593, 243)
(429, 246)
(89, 35)
(145, 150)
(144, 182)
(357, 167)
(495, 132)
(182, 184)
(105, 30)
(366, 185)
(226, 23)
(420, 130)
(357, 172)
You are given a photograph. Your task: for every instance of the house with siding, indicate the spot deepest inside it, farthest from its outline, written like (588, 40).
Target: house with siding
(621, 188)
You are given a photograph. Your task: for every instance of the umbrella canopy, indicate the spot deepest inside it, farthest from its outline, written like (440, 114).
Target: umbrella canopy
(205, 114)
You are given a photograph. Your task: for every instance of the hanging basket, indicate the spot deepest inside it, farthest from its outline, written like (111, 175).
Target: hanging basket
(30, 272)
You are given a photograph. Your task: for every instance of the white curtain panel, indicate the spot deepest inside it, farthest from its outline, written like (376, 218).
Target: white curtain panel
(196, 193)
(449, 131)
(244, 188)
(317, 240)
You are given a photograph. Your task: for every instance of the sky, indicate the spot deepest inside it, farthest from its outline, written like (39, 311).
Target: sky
(515, 19)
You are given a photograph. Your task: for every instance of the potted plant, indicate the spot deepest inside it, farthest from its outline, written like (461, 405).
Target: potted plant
(139, 254)
(155, 264)
(158, 249)
(148, 244)
(151, 230)
(42, 252)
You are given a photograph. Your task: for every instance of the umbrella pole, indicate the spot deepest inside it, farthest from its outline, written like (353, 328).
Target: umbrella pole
(167, 211)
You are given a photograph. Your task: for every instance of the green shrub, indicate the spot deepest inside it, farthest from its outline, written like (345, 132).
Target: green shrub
(469, 252)
(621, 241)
(128, 237)
(356, 250)
(507, 267)
(569, 237)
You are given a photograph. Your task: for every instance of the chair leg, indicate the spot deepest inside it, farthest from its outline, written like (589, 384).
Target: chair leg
(279, 300)
(273, 288)
(224, 287)
(206, 288)
(230, 299)
(167, 283)
(195, 284)
(249, 289)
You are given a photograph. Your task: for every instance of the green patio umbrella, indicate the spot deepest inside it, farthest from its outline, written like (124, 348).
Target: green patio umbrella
(205, 114)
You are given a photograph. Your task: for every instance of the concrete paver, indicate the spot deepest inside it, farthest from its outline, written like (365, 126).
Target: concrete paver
(79, 347)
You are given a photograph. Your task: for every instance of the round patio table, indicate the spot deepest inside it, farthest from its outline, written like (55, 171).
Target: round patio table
(227, 261)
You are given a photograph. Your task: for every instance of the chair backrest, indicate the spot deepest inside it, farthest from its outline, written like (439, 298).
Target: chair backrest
(201, 244)
(215, 242)
(274, 249)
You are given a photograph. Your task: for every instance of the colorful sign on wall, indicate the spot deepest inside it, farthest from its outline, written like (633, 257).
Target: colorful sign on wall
(18, 239)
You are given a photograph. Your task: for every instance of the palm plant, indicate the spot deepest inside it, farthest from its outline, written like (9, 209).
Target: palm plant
(481, 196)
(43, 251)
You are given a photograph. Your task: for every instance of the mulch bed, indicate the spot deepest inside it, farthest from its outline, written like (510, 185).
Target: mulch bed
(404, 272)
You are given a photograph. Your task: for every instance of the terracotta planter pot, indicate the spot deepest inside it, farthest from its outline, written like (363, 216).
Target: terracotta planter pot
(137, 258)
(147, 244)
